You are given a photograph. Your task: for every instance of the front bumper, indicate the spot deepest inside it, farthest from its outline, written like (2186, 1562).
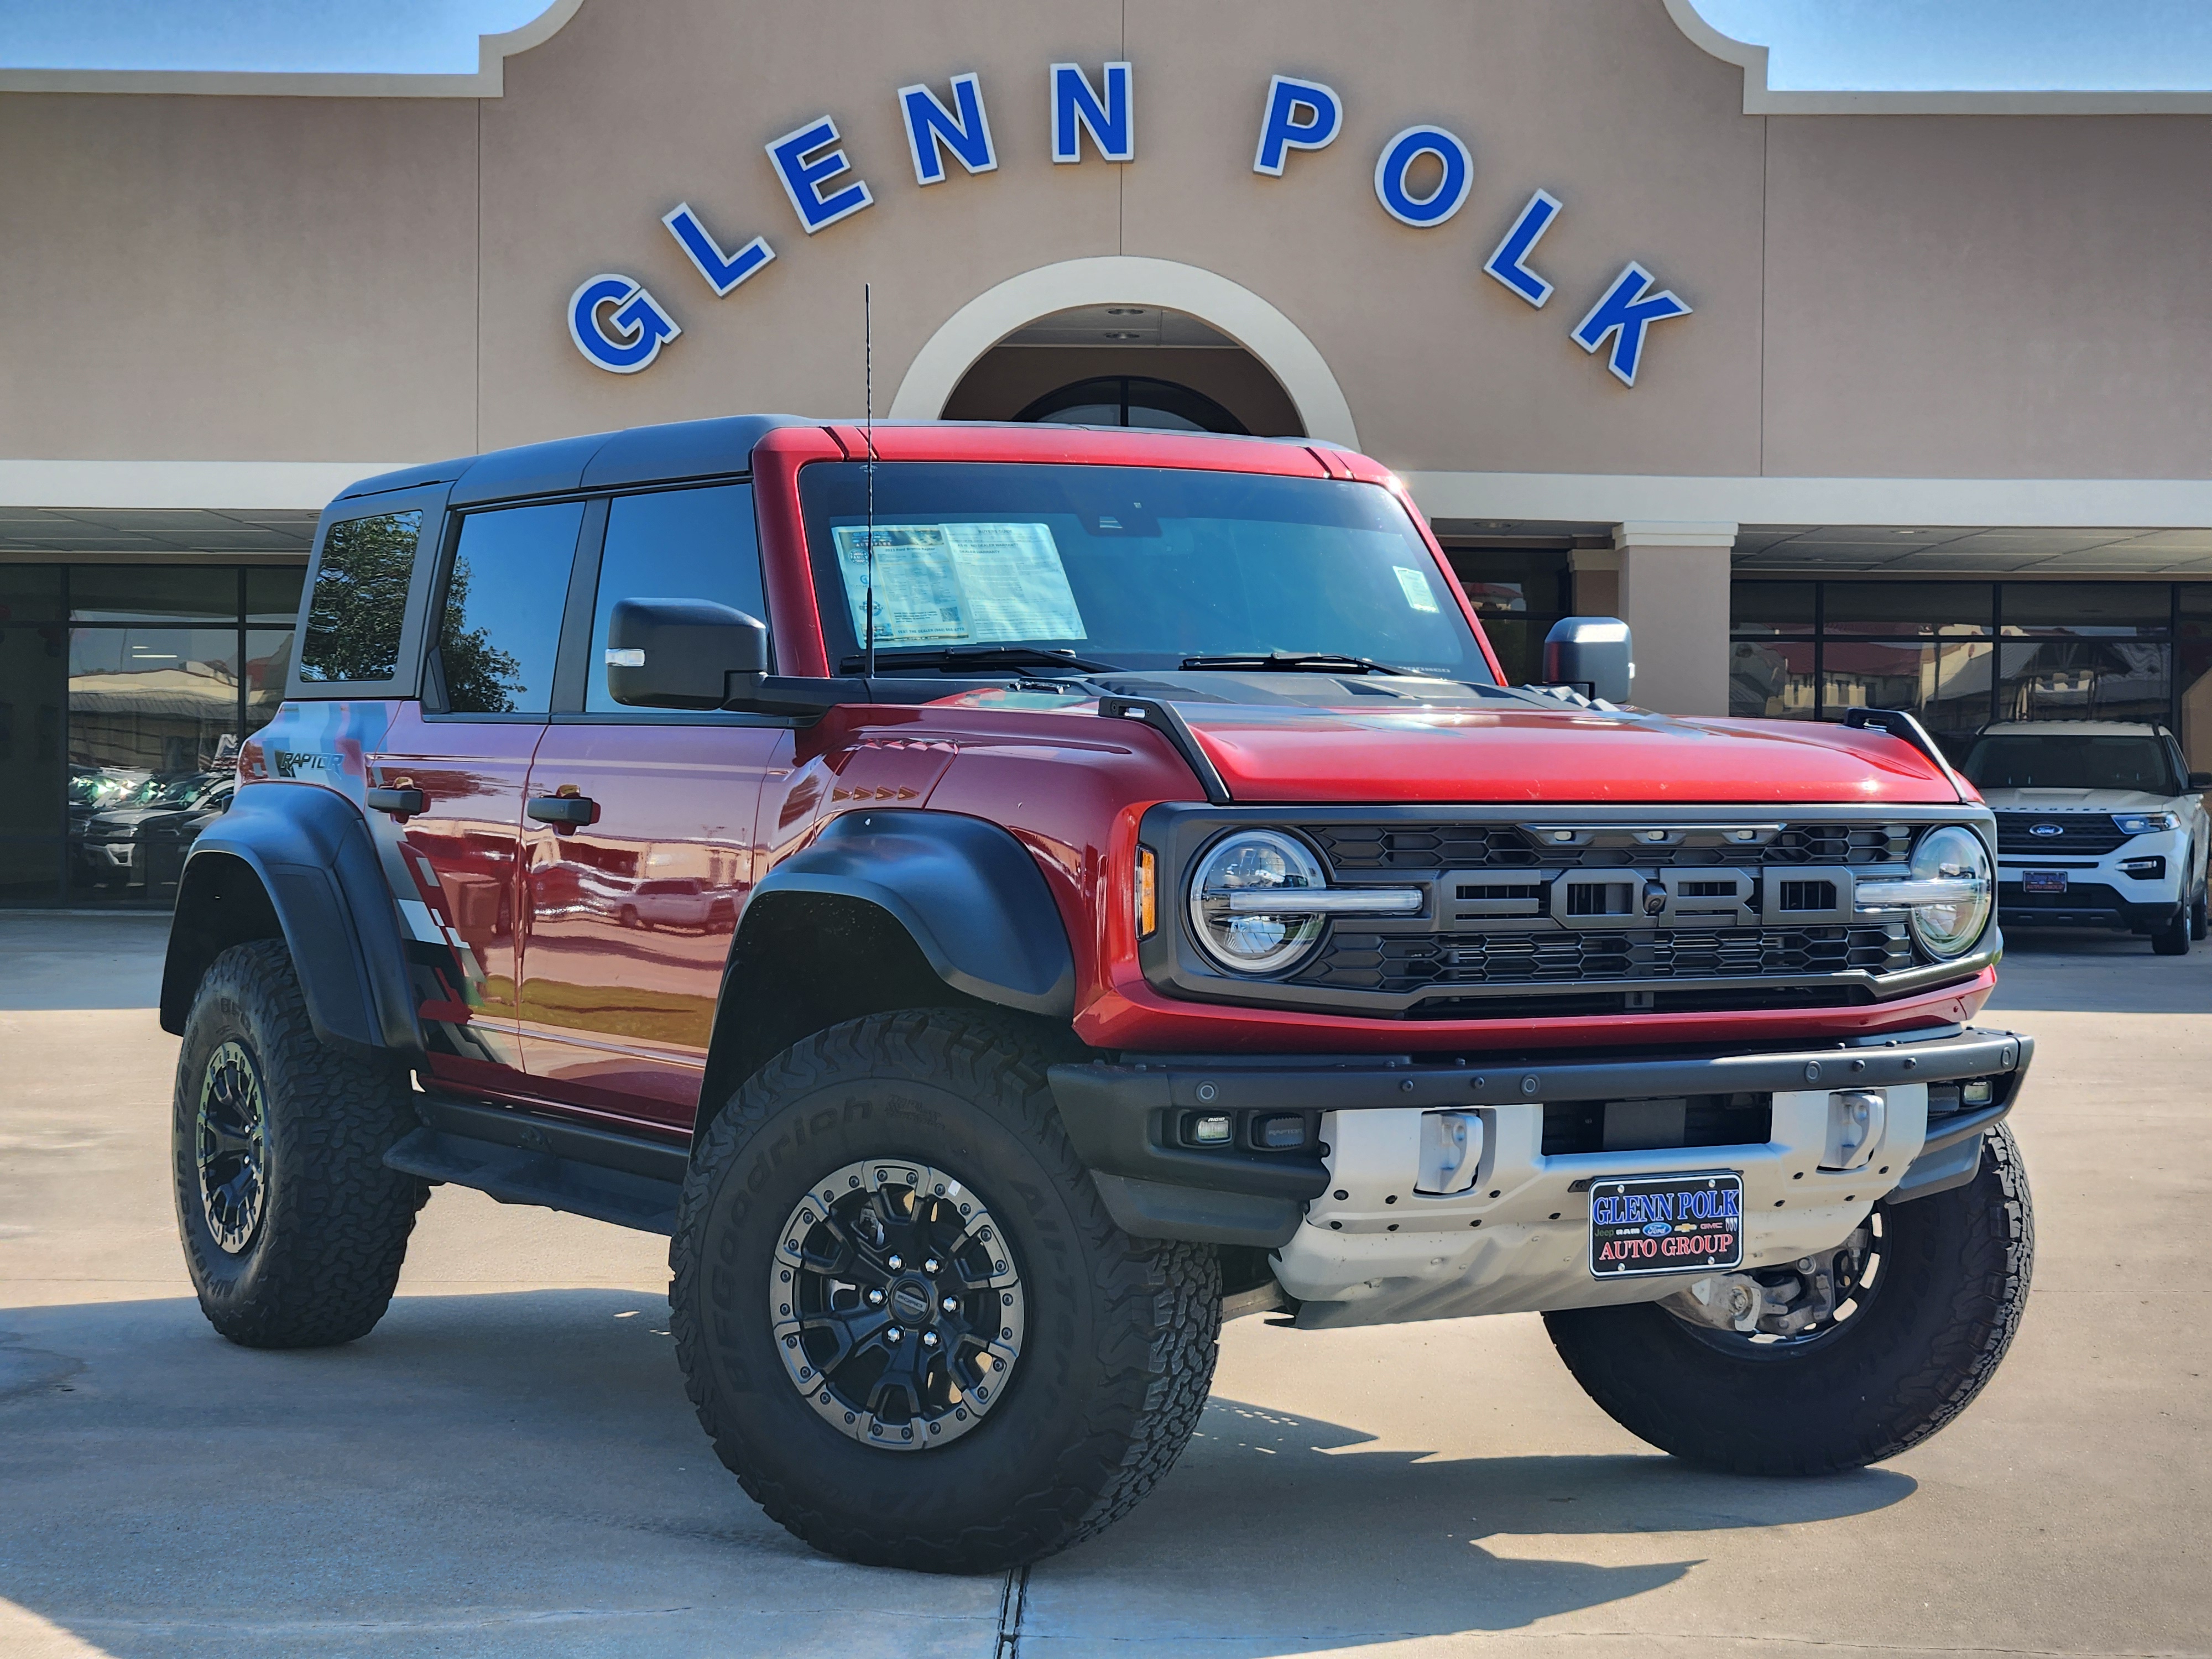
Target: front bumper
(2104, 890)
(1516, 1240)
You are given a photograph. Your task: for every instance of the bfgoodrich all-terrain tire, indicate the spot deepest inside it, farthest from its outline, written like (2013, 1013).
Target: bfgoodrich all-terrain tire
(1939, 1315)
(293, 1228)
(909, 1325)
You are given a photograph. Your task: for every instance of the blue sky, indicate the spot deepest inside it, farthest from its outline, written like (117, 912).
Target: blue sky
(1815, 44)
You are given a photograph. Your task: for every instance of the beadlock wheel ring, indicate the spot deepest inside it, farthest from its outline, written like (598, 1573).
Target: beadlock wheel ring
(229, 1147)
(896, 1304)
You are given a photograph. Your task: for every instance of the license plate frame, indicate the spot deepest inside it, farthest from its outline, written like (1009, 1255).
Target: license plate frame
(2043, 881)
(1647, 1226)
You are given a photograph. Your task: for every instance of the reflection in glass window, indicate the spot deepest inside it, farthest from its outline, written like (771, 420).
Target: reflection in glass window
(152, 728)
(268, 668)
(2090, 679)
(360, 598)
(1771, 607)
(675, 544)
(502, 617)
(1770, 679)
(1945, 683)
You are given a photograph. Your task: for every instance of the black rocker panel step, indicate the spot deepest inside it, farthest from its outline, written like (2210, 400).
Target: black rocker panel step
(518, 1159)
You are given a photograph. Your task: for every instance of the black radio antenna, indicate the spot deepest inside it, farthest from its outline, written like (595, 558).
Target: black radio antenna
(868, 388)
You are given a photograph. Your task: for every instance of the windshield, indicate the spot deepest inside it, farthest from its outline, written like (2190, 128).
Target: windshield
(1127, 567)
(2048, 761)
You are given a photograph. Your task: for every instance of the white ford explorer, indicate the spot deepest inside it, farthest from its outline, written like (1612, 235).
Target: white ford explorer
(2099, 823)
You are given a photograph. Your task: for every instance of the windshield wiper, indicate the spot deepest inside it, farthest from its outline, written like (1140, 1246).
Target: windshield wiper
(1296, 662)
(980, 656)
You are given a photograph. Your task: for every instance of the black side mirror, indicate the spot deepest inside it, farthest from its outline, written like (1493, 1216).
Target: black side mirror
(1591, 653)
(2200, 780)
(683, 653)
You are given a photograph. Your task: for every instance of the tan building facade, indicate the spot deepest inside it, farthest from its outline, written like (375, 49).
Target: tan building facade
(1877, 398)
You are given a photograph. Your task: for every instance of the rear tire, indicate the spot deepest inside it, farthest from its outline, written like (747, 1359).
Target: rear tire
(293, 1230)
(1946, 1304)
(1108, 1360)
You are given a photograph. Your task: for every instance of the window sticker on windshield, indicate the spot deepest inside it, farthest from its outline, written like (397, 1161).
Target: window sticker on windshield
(1418, 593)
(957, 584)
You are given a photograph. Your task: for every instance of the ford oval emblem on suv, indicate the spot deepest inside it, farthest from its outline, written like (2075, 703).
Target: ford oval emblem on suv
(2047, 830)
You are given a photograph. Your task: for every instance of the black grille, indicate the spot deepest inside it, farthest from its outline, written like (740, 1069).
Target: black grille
(1501, 845)
(2080, 835)
(1401, 964)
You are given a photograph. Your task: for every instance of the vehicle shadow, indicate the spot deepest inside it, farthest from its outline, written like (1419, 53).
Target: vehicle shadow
(481, 1464)
(1276, 1532)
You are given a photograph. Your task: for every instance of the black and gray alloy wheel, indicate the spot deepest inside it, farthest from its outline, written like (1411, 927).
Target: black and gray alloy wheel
(909, 1324)
(293, 1228)
(896, 1303)
(231, 1148)
(1868, 1349)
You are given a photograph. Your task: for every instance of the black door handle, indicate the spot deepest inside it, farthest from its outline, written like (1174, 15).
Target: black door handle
(402, 802)
(563, 809)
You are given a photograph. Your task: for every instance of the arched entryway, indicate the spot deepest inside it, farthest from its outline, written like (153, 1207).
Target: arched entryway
(1035, 339)
(1126, 365)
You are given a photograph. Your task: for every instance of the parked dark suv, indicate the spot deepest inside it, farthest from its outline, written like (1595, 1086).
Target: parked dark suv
(1003, 900)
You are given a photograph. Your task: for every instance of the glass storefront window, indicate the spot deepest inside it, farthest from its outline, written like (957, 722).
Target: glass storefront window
(1519, 592)
(268, 670)
(1773, 607)
(272, 594)
(1918, 609)
(2091, 610)
(119, 727)
(1945, 683)
(1962, 655)
(132, 592)
(30, 593)
(1771, 679)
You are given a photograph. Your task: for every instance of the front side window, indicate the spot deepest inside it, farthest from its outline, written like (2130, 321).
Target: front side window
(2057, 761)
(1130, 568)
(360, 601)
(499, 627)
(674, 544)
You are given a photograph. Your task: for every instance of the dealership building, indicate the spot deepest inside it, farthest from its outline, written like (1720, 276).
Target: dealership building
(1840, 399)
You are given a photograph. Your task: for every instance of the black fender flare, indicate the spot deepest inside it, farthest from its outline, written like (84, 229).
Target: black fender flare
(321, 888)
(969, 896)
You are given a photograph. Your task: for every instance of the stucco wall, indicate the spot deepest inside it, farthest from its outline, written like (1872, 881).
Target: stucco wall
(288, 278)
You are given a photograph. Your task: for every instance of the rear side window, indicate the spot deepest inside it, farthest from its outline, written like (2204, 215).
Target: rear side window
(674, 544)
(499, 627)
(360, 601)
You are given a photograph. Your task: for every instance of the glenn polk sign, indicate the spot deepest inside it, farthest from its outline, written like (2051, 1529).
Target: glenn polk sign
(621, 327)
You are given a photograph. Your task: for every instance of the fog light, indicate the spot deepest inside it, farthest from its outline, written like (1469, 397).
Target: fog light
(1451, 1152)
(1209, 1130)
(1280, 1134)
(1855, 1120)
(1979, 1093)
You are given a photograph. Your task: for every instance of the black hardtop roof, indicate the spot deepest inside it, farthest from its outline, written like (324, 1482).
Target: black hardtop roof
(635, 455)
(598, 460)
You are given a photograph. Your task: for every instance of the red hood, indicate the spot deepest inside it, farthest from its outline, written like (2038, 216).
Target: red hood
(1308, 754)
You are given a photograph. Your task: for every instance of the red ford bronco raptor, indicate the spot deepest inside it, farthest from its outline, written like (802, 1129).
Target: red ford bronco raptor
(1003, 900)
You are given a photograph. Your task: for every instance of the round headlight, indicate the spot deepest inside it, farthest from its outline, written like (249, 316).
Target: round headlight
(1947, 926)
(1232, 901)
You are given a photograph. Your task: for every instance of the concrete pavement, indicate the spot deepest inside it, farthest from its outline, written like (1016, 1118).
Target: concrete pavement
(508, 1466)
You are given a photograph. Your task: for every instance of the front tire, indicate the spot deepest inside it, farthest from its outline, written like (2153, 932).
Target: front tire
(293, 1230)
(1944, 1306)
(2172, 937)
(837, 1178)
